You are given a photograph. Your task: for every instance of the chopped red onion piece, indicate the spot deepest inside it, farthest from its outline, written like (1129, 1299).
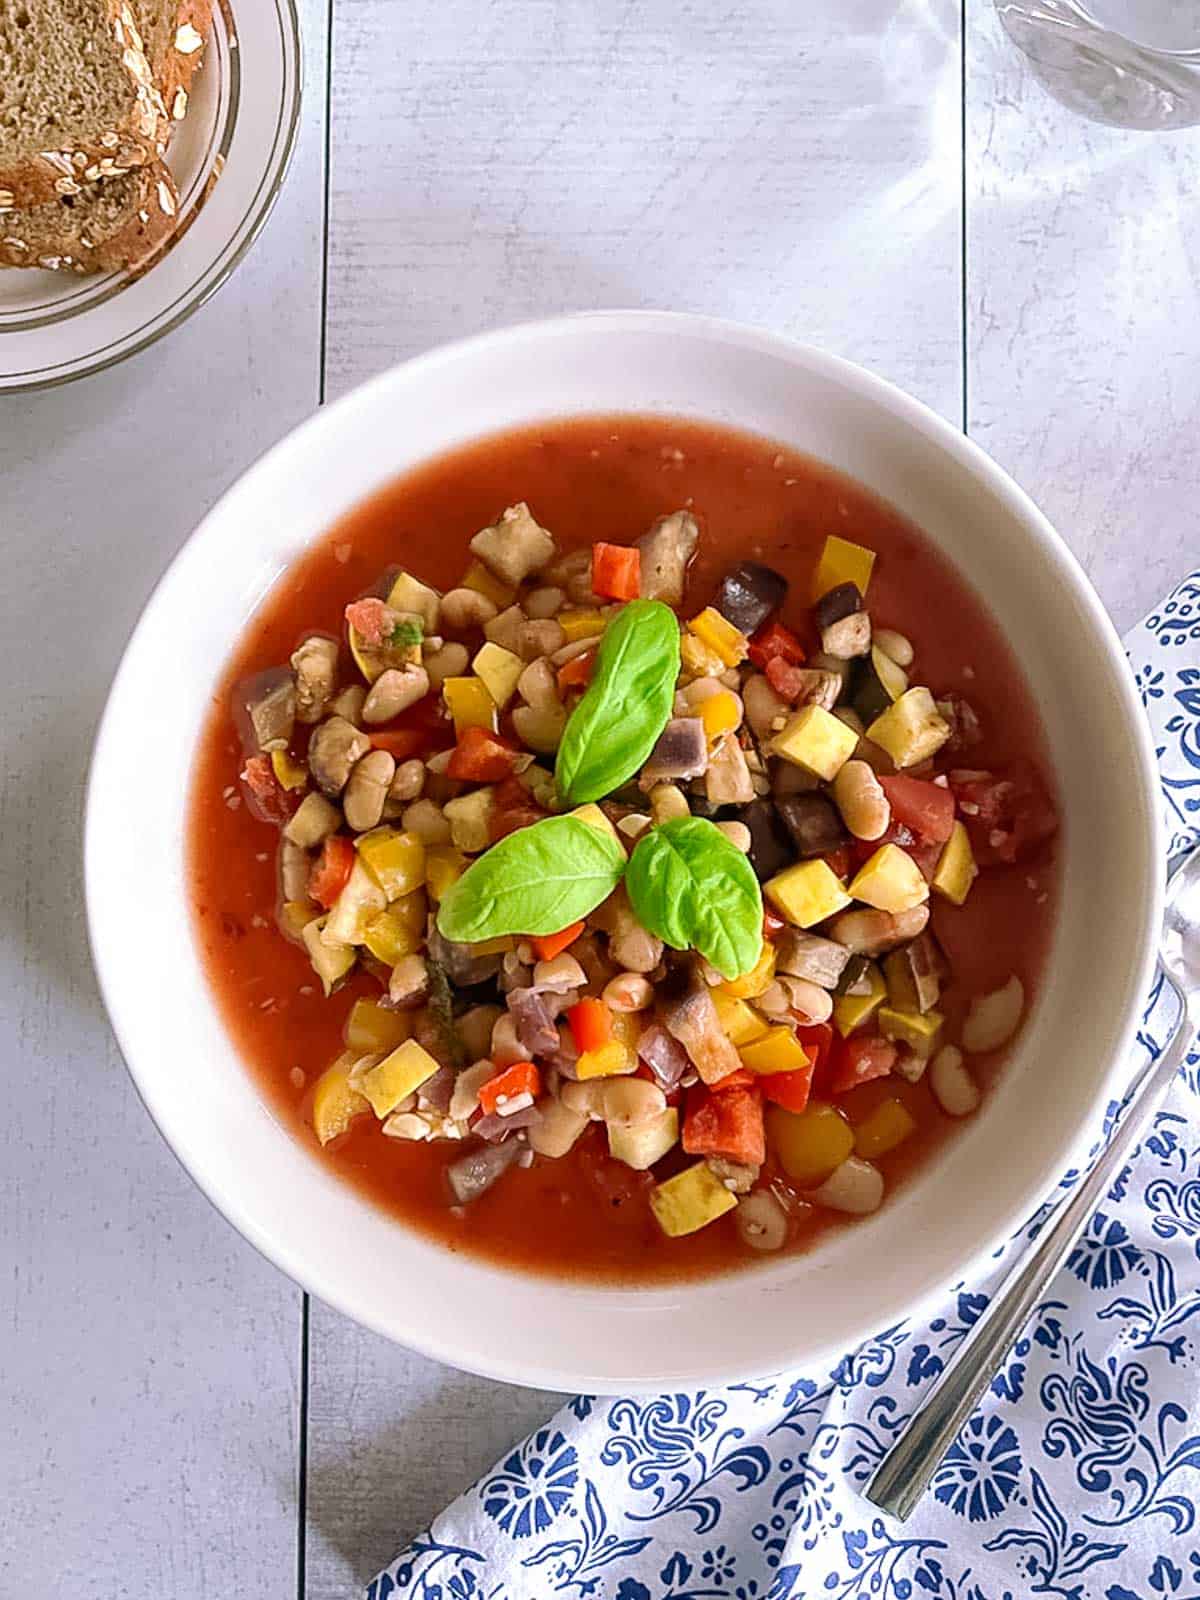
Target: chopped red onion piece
(436, 1091)
(533, 1022)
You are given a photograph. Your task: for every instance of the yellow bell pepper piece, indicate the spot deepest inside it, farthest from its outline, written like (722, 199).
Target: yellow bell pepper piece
(811, 1143)
(956, 869)
(690, 1200)
(698, 659)
(498, 669)
(611, 1060)
(777, 1051)
(738, 1020)
(883, 1129)
(817, 741)
(842, 562)
(890, 881)
(921, 1031)
(753, 983)
(486, 583)
(720, 715)
(397, 860)
(397, 1076)
(720, 636)
(372, 1031)
(335, 1102)
(595, 818)
(289, 774)
(390, 936)
(850, 1011)
(444, 865)
(470, 704)
(580, 624)
(806, 893)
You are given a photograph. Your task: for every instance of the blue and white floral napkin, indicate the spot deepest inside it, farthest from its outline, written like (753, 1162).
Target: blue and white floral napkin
(1077, 1478)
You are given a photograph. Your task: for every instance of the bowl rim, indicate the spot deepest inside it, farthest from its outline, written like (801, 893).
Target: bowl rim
(909, 413)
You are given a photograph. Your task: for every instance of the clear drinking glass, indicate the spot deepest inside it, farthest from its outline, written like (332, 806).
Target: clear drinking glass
(1132, 63)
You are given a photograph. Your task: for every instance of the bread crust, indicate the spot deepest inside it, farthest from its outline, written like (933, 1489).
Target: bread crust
(60, 240)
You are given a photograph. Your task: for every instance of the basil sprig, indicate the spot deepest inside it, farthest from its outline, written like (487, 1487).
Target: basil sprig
(537, 880)
(695, 889)
(626, 706)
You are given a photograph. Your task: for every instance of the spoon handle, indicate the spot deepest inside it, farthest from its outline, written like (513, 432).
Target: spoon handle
(904, 1473)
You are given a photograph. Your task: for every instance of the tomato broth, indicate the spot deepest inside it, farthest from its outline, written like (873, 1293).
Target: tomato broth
(586, 479)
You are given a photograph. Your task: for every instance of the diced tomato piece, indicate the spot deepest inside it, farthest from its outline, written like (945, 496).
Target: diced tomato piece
(839, 861)
(739, 1078)
(590, 1022)
(403, 743)
(271, 800)
(481, 756)
(926, 809)
(332, 871)
(817, 1039)
(370, 619)
(513, 807)
(773, 926)
(1007, 817)
(727, 1124)
(857, 1061)
(519, 1079)
(577, 672)
(789, 1089)
(617, 571)
(548, 945)
(785, 677)
(773, 642)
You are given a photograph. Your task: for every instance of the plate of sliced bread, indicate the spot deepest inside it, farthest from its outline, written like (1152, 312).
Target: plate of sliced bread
(142, 145)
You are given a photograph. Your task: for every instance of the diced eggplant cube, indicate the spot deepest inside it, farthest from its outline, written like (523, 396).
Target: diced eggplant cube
(749, 594)
(807, 955)
(848, 637)
(814, 823)
(878, 681)
(666, 552)
(912, 980)
(681, 752)
(844, 601)
(770, 842)
(854, 972)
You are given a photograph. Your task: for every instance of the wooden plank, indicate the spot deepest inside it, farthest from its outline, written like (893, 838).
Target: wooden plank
(502, 162)
(1082, 329)
(151, 1359)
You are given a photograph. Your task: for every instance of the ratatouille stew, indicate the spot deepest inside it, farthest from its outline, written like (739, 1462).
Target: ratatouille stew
(624, 847)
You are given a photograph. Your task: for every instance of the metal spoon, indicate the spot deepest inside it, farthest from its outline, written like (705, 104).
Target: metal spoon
(904, 1473)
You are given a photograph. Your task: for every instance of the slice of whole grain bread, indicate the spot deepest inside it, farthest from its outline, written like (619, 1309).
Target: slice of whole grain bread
(78, 99)
(113, 224)
(174, 33)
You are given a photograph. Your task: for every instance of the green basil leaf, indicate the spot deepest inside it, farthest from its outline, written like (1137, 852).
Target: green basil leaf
(537, 880)
(626, 706)
(692, 887)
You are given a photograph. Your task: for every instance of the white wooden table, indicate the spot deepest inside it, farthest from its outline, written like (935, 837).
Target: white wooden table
(175, 1418)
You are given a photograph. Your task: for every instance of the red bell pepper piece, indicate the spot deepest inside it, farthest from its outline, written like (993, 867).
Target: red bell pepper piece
(481, 756)
(926, 809)
(728, 1124)
(548, 945)
(616, 571)
(332, 871)
(859, 1060)
(577, 672)
(402, 743)
(590, 1022)
(775, 641)
(789, 1089)
(521, 1078)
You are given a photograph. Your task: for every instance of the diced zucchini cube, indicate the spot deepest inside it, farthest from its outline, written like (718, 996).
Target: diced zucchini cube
(390, 936)
(397, 859)
(487, 584)
(410, 594)
(690, 1200)
(469, 818)
(470, 704)
(642, 1146)
(850, 1011)
(740, 1022)
(581, 623)
(806, 893)
(371, 1030)
(397, 1076)
(330, 962)
(499, 670)
(842, 562)
(720, 636)
(753, 983)
(335, 1102)
(956, 869)
(911, 729)
(890, 881)
(817, 741)
(777, 1051)
(360, 901)
(921, 1032)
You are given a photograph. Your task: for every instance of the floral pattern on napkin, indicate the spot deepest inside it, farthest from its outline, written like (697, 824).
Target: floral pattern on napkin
(1077, 1478)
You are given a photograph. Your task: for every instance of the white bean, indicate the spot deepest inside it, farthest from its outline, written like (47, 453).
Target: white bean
(954, 1088)
(993, 1018)
(559, 974)
(408, 781)
(856, 1187)
(540, 727)
(631, 1102)
(861, 801)
(813, 1003)
(738, 835)
(895, 646)
(628, 992)
(668, 801)
(539, 638)
(506, 1047)
(465, 608)
(763, 706)
(761, 1221)
(427, 820)
(558, 1129)
(538, 685)
(544, 602)
(449, 661)
(587, 1098)
(367, 790)
(393, 692)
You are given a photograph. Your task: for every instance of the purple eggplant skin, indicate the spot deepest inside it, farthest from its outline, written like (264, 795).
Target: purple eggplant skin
(749, 594)
(838, 603)
(814, 823)
(771, 848)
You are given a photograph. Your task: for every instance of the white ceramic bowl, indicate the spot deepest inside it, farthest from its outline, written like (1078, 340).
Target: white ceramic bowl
(524, 1329)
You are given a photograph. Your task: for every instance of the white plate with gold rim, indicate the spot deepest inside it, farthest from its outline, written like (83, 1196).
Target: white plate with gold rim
(229, 157)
